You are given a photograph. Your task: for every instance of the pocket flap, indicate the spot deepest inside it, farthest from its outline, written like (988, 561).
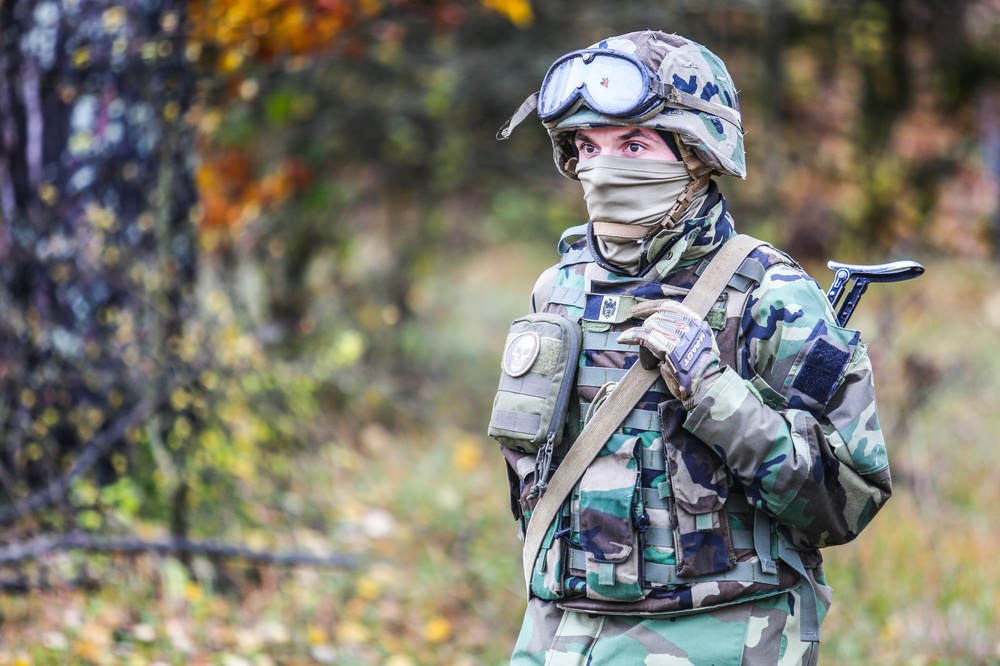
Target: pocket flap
(699, 478)
(607, 492)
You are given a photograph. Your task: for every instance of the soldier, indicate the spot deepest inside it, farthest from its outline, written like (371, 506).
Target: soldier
(694, 535)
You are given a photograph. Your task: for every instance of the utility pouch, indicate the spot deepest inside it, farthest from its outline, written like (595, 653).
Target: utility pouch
(536, 382)
(606, 524)
(547, 578)
(700, 484)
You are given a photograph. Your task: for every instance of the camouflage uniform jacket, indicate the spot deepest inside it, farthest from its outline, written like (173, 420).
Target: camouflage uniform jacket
(686, 510)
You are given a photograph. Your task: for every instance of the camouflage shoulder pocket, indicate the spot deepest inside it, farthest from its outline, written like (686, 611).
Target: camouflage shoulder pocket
(819, 366)
(536, 382)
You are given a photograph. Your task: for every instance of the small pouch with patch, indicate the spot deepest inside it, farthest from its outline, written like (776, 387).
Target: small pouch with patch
(536, 383)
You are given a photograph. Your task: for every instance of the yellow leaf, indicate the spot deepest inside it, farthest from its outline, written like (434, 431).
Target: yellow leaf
(87, 650)
(351, 632)
(113, 19)
(28, 398)
(316, 635)
(180, 399)
(370, 7)
(192, 591)
(368, 588)
(81, 57)
(466, 454)
(517, 12)
(231, 60)
(437, 630)
(48, 193)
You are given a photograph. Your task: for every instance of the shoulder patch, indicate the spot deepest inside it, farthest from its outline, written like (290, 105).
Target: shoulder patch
(821, 371)
(820, 365)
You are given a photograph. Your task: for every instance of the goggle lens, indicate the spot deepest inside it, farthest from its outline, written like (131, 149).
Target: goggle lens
(610, 82)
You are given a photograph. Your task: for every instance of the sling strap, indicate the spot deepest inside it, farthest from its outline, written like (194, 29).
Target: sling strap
(619, 403)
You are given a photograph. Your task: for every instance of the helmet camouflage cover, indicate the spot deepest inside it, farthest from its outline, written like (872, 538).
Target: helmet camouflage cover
(689, 67)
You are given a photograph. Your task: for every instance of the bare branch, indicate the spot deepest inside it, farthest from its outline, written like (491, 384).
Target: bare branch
(40, 546)
(90, 455)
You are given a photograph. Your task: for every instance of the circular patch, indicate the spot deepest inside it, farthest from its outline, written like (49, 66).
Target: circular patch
(521, 353)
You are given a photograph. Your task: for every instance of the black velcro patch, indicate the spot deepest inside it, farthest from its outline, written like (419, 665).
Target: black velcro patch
(821, 371)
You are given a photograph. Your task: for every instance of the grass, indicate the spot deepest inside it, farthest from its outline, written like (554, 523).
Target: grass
(425, 512)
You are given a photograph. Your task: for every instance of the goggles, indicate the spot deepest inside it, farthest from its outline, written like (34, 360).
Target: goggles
(611, 83)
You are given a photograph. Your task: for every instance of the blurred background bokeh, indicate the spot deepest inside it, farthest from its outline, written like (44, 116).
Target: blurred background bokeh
(258, 259)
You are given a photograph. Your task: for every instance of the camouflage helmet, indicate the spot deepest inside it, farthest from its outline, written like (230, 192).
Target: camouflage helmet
(695, 94)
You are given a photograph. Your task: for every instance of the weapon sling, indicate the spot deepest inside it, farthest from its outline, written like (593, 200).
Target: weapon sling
(620, 402)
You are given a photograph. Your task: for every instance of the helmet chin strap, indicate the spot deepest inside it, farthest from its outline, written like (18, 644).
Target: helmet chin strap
(700, 172)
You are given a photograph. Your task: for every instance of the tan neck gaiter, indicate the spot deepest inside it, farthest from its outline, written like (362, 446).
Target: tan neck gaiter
(628, 192)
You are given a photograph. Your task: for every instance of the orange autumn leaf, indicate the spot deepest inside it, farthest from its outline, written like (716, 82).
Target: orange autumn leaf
(264, 29)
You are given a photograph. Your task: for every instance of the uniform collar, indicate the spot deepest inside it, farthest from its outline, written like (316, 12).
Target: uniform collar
(681, 246)
(699, 235)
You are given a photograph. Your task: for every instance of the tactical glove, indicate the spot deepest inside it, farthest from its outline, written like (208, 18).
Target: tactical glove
(682, 344)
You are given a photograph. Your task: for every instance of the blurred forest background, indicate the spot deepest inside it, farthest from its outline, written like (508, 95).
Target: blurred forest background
(258, 259)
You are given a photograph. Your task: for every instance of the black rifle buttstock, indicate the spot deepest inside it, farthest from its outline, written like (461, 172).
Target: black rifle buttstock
(863, 275)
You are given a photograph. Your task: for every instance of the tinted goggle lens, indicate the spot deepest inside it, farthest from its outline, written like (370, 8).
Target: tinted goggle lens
(611, 83)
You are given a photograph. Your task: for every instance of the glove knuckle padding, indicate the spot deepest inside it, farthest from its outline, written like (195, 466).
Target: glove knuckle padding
(682, 342)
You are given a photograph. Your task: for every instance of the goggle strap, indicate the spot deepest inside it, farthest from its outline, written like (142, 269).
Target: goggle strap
(677, 98)
(522, 112)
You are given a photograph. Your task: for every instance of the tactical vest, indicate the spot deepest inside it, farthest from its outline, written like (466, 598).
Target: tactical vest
(656, 525)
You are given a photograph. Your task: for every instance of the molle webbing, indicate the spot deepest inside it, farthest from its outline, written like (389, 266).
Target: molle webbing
(749, 273)
(607, 341)
(567, 296)
(532, 385)
(656, 498)
(746, 572)
(592, 376)
(519, 422)
(638, 419)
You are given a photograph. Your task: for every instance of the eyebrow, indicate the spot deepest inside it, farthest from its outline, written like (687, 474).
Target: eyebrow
(630, 134)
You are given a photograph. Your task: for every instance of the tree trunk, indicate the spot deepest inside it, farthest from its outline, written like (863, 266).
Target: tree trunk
(97, 248)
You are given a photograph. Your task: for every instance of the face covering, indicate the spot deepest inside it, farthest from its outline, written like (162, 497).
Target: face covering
(627, 198)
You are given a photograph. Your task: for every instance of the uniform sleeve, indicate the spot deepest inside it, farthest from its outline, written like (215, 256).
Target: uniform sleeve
(802, 435)
(540, 292)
